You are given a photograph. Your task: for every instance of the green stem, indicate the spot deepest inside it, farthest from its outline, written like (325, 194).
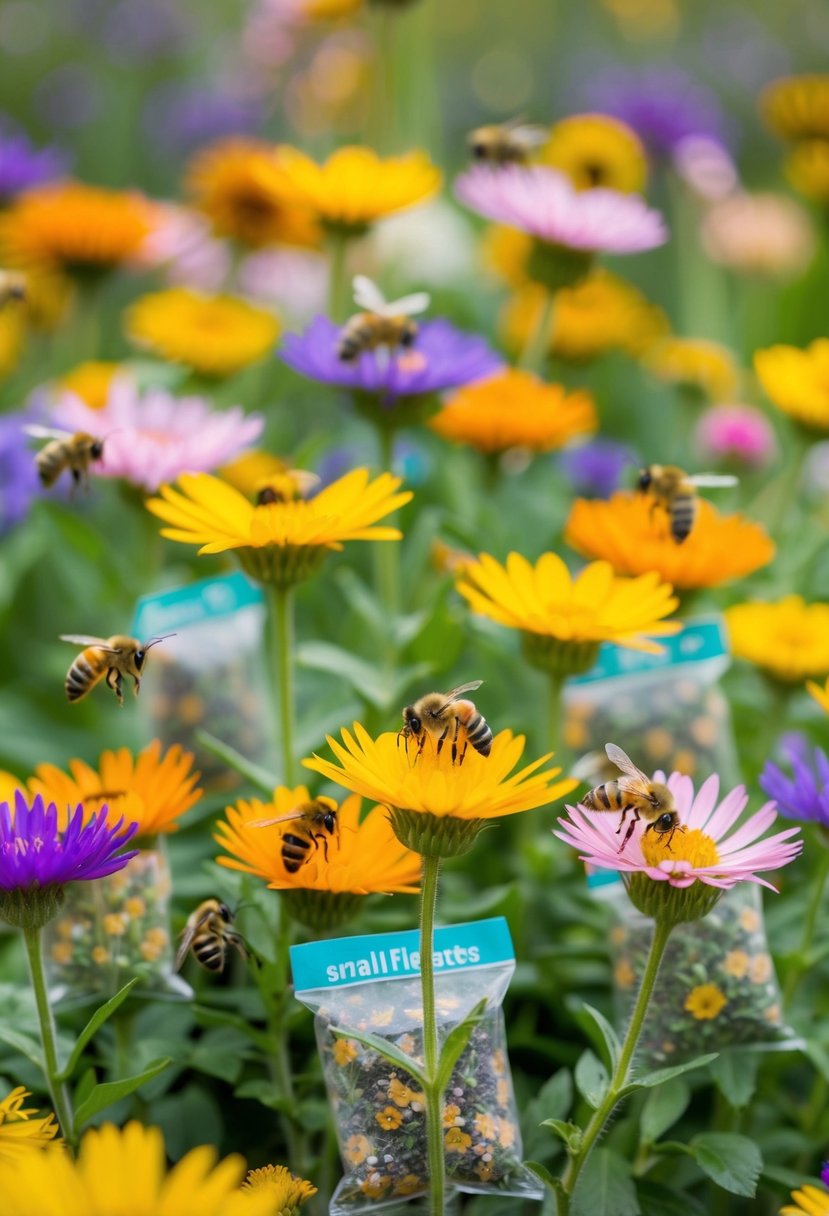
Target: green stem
(387, 566)
(338, 286)
(556, 714)
(801, 962)
(281, 605)
(434, 1103)
(534, 354)
(382, 115)
(661, 933)
(61, 1102)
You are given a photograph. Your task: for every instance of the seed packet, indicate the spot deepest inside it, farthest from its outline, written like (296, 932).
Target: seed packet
(372, 984)
(665, 710)
(208, 676)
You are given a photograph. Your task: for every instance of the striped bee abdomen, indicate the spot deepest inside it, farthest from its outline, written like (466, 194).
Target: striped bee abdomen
(479, 734)
(295, 850)
(683, 514)
(84, 674)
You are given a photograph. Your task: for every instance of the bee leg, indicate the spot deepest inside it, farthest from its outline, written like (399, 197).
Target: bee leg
(441, 739)
(421, 743)
(455, 742)
(324, 846)
(463, 750)
(136, 685)
(625, 810)
(631, 828)
(114, 682)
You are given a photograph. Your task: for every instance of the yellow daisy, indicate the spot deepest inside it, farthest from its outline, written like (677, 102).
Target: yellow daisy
(808, 1201)
(807, 168)
(698, 363)
(91, 382)
(215, 335)
(74, 228)
(285, 1190)
(149, 789)
(705, 1002)
(634, 539)
(515, 409)
(360, 858)
(281, 542)
(789, 638)
(124, 1170)
(595, 150)
(12, 339)
(238, 185)
(355, 187)
(797, 107)
(797, 381)
(20, 1128)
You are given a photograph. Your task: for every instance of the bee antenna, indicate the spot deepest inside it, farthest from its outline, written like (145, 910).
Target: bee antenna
(155, 641)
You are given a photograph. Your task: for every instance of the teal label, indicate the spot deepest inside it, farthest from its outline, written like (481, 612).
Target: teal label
(202, 601)
(698, 641)
(388, 956)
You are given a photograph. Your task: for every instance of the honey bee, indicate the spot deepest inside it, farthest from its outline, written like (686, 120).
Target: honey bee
(438, 713)
(508, 143)
(208, 933)
(287, 485)
(12, 288)
(675, 490)
(382, 324)
(315, 822)
(113, 657)
(636, 793)
(65, 451)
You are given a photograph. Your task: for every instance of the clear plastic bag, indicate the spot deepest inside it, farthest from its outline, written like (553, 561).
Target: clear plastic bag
(372, 985)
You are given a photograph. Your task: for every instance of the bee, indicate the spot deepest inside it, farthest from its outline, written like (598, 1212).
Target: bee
(286, 485)
(508, 143)
(675, 490)
(438, 713)
(75, 452)
(315, 822)
(12, 288)
(636, 793)
(113, 657)
(382, 324)
(208, 933)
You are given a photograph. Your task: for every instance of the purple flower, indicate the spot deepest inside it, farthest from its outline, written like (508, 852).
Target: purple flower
(35, 855)
(22, 165)
(595, 469)
(181, 117)
(804, 795)
(441, 357)
(19, 482)
(545, 203)
(824, 1173)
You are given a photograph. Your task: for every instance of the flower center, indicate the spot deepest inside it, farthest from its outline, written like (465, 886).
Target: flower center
(693, 847)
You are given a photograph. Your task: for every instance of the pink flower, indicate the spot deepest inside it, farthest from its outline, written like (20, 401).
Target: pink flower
(736, 432)
(543, 202)
(702, 853)
(152, 437)
(181, 245)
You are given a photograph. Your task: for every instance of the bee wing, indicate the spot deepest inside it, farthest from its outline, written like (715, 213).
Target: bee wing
(187, 934)
(367, 294)
(305, 481)
(634, 785)
(623, 761)
(266, 823)
(418, 301)
(713, 481)
(45, 432)
(530, 135)
(456, 693)
(81, 639)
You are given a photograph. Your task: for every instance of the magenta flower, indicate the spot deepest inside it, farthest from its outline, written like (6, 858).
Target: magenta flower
(740, 433)
(152, 437)
(704, 852)
(543, 202)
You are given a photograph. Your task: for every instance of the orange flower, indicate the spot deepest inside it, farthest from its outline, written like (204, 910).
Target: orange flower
(376, 1185)
(389, 1118)
(450, 1114)
(456, 1140)
(403, 1095)
(408, 1184)
(345, 1050)
(357, 1148)
(486, 1126)
(736, 964)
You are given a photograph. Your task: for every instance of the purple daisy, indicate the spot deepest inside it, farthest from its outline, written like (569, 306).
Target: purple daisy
(19, 482)
(804, 795)
(595, 469)
(545, 203)
(22, 165)
(441, 357)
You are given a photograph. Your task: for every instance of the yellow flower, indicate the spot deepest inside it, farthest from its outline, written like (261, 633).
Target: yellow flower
(114, 924)
(635, 540)
(736, 964)
(408, 1184)
(807, 168)
(623, 974)
(486, 1125)
(705, 1001)
(12, 338)
(355, 187)
(344, 1051)
(402, 1095)
(123, 1170)
(363, 858)
(789, 638)
(595, 150)
(389, 1118)
(697, 363)
(797, 107)
(237, 184)
(375, 1185)
(269, 538)
(149, 789)
(91, 381)
(760, 971)
(74, 228)
(100, 955)
(749, 920)
(808, 1201)
(20, 1128)
(286, 1192)
(214, 335)
(797, 381)
(357, 1148)
(515, 409)
(599, 314)
(456, 1140)
(62, 953)
(820, 694)
(329, 10)
(505, 252)
(253, 469)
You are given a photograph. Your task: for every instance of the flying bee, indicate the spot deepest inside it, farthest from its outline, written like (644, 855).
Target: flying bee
(636, 793)
(438, 713)
(285, 485)
(676, 491)
(508, 143)
(315, 822)
(75, 452)
(382, 324)
(209, 934)
(113, 657)
(12, 288)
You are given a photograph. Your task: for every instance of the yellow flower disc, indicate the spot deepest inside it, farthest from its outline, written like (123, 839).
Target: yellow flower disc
(705, 1002)
(797, 107)
(797, 381)
(698, 363)
(691, 845)
(91, 381)
(807, 168)
(597, 151)
(789, 638)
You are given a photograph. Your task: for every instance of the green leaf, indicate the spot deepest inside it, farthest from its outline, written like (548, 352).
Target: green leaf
(608, 1034)
(384, 1048)
(27, 1046)
(663, 1106)
(260, 1089)
(733, 1162)
(107, 1093)
(94, 1025)
(658, 1200)
(456, 1043)
(605, 1187)
(541, 1172)
(85, 1087)
(735, 1074)
(258, 777)
(568, 1132)
(369, 680)
(661, 1075)
(591, 1078)
(553, 1101)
